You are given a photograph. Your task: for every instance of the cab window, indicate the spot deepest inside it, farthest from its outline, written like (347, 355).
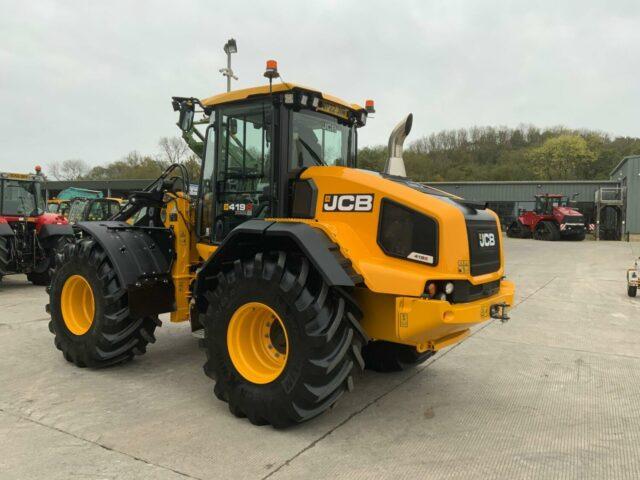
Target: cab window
(76, 210)
(320, 139)
(205, 210)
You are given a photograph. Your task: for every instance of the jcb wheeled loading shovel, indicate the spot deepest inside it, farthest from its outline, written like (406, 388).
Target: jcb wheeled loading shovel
(299, 268)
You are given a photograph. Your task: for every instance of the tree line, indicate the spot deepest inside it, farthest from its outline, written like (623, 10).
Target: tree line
(472, 154)
(133, 166)
(501, 153)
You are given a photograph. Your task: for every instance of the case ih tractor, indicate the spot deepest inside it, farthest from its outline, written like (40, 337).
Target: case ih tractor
(552, 219)
(28, 235)
(296, 268)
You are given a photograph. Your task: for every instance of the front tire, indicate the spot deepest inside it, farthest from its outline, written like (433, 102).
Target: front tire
(631, 290)
(318, 339)
(90, 317)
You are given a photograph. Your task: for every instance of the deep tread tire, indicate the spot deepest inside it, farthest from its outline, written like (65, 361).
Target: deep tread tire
(39, 278)
(114, 337)
(548, 231)
(4, 256)
(322, 327)
(631, 290)
(578, 237)
(43, 278)
(513, 230)
(382, 356)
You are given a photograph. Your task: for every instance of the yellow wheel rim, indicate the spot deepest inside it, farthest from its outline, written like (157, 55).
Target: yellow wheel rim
(78, 305)
(257, 342)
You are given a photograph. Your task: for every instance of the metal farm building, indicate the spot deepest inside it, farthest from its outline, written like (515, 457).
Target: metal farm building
(613, 206)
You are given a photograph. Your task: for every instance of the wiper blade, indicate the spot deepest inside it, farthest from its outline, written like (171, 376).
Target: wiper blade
(312, 152)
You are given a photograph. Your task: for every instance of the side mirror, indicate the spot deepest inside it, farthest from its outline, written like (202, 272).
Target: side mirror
(185, 121)
(233, 126)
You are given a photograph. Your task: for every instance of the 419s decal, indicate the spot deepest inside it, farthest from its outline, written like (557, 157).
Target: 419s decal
(356, 202)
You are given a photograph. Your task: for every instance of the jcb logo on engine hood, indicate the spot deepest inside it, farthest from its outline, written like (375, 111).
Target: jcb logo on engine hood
(486, 239)
(356, 202)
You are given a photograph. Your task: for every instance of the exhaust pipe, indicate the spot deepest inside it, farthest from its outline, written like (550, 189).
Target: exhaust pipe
(395, 162)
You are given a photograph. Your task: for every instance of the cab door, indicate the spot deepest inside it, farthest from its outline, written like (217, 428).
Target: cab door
(244, 170)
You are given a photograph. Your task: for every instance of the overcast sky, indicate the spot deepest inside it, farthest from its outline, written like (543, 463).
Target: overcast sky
(93, 80)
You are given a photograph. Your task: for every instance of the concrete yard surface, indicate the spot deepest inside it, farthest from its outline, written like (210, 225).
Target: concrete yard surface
(554, 393)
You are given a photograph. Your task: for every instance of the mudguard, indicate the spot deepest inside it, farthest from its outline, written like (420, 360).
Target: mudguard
(142, 258)
(261, 235)
(55, 230)
(6, 230)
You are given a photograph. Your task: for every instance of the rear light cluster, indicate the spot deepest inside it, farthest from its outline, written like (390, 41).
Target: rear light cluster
(439, 290)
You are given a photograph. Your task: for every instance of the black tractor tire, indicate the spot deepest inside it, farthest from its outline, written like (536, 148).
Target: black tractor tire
(518, 230)
(513, 230)
(324, 337)
(114, 336)
(43, 276)
(4, 256)
(578, 237)
(631, 290)
(547, 231)
(39, 278)
(385, 357)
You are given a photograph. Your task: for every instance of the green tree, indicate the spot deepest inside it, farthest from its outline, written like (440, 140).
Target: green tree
(562, 157)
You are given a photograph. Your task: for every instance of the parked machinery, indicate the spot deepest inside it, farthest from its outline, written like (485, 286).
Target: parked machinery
(553, 218)
(93, 209)
(633, 274)
(62, 202)
(296, 267)
(28, 235)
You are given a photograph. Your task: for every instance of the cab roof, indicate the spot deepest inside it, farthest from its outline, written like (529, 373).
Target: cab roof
(20, 176)
(245, 93)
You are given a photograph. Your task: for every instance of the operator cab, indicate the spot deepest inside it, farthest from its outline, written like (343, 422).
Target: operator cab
(256, 144)
(21, 195)
(546, 203)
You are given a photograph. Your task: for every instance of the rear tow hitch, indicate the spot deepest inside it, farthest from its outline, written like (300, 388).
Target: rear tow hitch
(499, 311)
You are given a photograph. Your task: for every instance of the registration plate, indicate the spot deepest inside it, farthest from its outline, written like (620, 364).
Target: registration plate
(333, 109)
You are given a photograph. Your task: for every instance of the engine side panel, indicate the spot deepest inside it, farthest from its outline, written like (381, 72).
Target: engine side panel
(348, 210)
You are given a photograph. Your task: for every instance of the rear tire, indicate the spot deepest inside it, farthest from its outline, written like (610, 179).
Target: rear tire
(113, 336)
(323, 339)
(39, 278)
(631, 290)
(382, 356)
(4, 256)
(43, 277)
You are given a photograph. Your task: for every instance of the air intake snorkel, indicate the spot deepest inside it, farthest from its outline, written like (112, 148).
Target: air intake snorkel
(395, 162)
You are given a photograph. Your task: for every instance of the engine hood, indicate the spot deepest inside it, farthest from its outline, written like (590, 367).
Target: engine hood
(568, 211)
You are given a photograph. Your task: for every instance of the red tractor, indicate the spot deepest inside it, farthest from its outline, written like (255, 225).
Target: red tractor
(552, 219)
(29, 237)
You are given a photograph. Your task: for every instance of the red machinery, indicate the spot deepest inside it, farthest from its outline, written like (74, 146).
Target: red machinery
(28, 235)
(552, 219)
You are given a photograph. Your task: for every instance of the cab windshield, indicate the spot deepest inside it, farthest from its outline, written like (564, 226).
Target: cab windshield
(320, 139)
(21, 197)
